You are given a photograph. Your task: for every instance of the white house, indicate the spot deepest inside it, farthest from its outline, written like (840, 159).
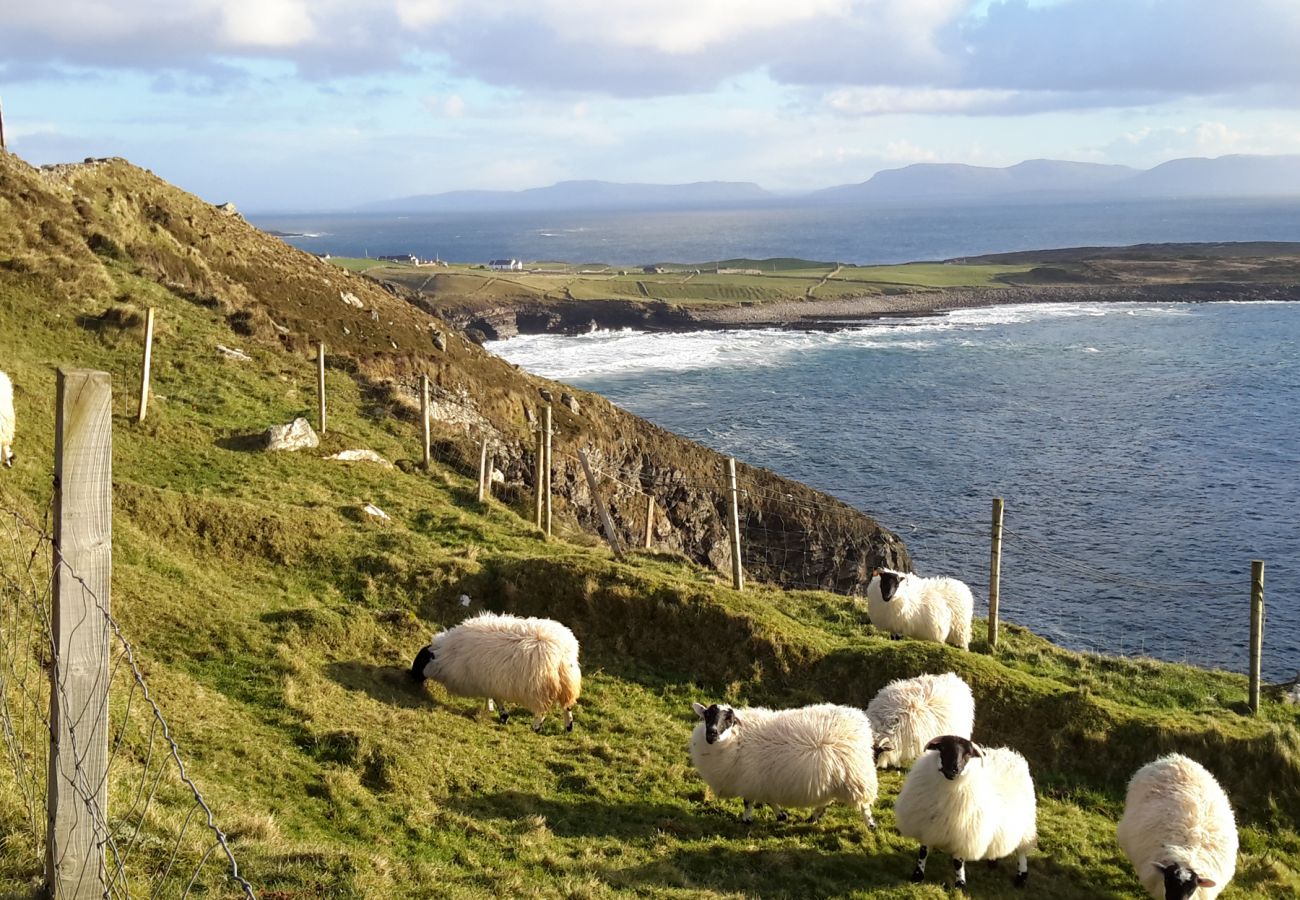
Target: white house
(506, 265)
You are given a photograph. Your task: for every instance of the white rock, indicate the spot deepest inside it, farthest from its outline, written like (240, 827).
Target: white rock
(498, 477)
(351, 299)
(361, 456)
(464, 600)
(375, 513)
(297, 435)
(233, 353)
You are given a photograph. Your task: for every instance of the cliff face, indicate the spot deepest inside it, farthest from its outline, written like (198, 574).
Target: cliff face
(65, 231)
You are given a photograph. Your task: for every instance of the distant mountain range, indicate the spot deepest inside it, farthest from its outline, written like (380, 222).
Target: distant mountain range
(1224, 176)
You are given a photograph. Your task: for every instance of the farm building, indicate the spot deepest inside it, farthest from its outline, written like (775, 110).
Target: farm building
(506, 265)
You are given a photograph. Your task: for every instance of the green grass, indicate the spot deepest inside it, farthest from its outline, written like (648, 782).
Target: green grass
(275, 628)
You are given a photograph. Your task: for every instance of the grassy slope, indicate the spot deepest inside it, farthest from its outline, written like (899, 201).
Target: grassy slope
(276, 628)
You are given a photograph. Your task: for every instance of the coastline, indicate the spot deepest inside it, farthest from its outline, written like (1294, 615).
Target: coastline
(582, 316)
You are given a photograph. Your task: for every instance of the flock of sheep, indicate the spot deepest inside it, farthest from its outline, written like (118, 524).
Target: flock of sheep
(968, 801)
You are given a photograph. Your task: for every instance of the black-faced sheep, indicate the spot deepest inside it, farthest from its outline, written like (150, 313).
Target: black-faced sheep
(808, 757)
(932, 609)
(1178, 830)
(909, 713)
(969, 802)
(530, 662)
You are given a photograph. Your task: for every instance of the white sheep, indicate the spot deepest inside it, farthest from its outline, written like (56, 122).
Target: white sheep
(808, 757)
(6, 420)
(970, 802)
(932, 609)
(530, 662)
(1178, 830)
(909, 713)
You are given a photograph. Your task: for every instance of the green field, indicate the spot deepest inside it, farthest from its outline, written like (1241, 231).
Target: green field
(276, 625)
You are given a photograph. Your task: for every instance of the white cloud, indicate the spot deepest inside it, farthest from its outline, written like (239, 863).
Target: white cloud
(881, 100)
(1148, 145)
(266, 23)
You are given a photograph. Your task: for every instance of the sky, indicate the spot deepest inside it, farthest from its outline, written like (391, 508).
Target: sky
(282, 105)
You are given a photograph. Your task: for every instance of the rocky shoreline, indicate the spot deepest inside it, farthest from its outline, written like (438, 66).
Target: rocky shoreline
(582, 316)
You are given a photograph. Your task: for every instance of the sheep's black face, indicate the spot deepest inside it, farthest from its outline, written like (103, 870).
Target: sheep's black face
(717, 721)
(422, 660)
(1181, 882)
(880, 750)
(889, 582)
(954, 753)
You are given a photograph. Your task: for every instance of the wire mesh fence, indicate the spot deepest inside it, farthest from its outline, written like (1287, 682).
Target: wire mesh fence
(117, 772)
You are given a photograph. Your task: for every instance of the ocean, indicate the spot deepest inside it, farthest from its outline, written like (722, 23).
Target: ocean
(849, 234)
(1146, 452)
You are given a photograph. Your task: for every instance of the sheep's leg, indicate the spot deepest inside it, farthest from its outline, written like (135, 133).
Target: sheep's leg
(489, 705)
(871, 820)
(537, 722)
(1022, 869)
(817, 814)
(959, 869)
(748, 815)
(568, 719)
(781, 815)
(918, 874)
(895, 636)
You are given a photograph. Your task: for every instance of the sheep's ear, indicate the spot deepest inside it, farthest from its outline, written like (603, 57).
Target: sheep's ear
(1205, 882)
(934, 744)
(975, 750)
(700, 709)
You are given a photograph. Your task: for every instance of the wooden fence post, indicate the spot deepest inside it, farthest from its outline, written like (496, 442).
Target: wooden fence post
(548, 466)
(649, 520)
(1256, 629)
(737, 570)
(995, 573)
(539, 476)
(320, 381)
(605, 522)
(424, 422)
(484, 472)
(148, 359)
(77, 801)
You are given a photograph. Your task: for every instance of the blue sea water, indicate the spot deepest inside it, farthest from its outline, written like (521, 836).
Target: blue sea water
(850, 234)
(1146, 452)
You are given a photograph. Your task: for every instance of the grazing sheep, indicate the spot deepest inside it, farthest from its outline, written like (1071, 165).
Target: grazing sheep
(909, 713)
(530, 662)
(804, 757)
(970, 802)
(932, 609)
(6, 420)
(1178, 830)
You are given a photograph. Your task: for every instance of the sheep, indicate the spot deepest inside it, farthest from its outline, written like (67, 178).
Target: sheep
(908, 713)
(970, 802)
(804, 757)
(932, 609)
(6, 421)
(1178, 830)
(530, 662)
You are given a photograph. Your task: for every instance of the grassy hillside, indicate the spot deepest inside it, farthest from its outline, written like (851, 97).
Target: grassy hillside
(275, 624)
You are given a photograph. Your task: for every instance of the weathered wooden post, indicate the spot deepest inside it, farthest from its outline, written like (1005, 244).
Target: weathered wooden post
(539, 476)
(484, 472)
(995, 573)
(737, 570)
(649, 520)
(320, 381)
(2, 126)
(77, 801)
(606, 523)
(424, 422)
(148, 360)
(548, 471)
(1256, 629)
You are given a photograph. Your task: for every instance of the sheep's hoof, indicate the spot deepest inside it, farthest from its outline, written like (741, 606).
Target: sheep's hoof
(895, 637)
(504, 717)
(569, 727)
(1021, 879)
(537, 729)
(871, 824)
(918, 875)
(782, 816)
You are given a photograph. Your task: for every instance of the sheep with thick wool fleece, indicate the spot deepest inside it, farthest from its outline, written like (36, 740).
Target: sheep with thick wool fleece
(909, 713)
(507, 659)
(807, 757)
(970, 802)
(1178, 830)
(6, 420)
(931, 609)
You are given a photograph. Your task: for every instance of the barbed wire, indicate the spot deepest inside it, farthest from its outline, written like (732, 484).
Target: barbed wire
(145, 781)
